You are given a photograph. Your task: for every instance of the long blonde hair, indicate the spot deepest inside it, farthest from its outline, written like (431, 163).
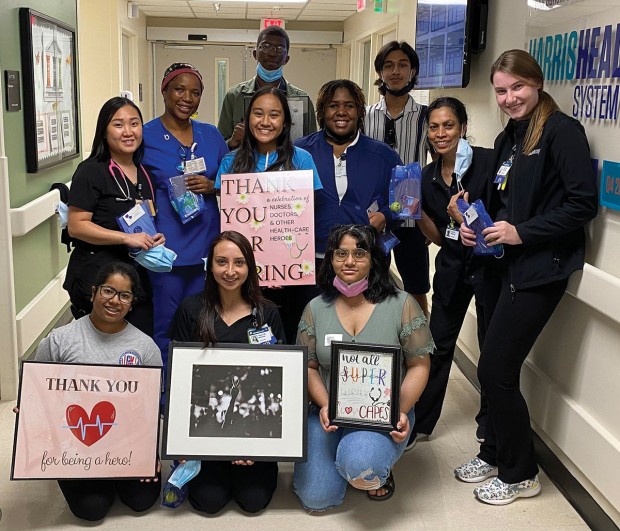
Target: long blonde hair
(521, 64)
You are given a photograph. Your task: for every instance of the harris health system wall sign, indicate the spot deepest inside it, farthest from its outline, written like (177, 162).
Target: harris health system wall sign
(580, 59)
(589, 58)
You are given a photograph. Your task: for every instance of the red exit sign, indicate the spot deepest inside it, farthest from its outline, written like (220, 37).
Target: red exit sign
(266, 22)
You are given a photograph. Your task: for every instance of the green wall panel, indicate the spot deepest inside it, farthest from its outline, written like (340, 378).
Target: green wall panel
(38, 257)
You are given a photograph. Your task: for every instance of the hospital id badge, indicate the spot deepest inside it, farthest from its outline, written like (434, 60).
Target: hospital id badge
(502, 173)
(452, 234)
(195, 165)
(261, 336)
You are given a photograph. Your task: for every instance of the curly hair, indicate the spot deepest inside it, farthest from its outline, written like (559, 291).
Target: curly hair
(326, 93)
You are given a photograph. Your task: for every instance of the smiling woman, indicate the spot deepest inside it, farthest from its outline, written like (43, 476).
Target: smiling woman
(175, 144)
(107, 185)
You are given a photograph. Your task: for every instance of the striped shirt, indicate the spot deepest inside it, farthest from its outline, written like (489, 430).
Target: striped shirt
(411, 129)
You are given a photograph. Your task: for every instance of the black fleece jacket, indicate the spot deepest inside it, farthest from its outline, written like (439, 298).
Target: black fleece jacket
(551, 195)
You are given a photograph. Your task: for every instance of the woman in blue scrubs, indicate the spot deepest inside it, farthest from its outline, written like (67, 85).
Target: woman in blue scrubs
(175, 144)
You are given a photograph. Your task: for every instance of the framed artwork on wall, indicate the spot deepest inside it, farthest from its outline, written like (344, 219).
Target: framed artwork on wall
(50, 90)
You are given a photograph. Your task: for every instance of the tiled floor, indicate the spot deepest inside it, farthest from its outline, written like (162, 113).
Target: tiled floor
(428, 498)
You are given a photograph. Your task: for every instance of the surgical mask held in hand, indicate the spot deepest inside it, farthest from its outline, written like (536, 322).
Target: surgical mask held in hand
(158, 259)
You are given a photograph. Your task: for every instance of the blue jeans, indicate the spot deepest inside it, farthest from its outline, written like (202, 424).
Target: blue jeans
(336, 458)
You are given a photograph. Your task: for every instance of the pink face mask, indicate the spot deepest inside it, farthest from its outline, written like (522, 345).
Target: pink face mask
(350, 290)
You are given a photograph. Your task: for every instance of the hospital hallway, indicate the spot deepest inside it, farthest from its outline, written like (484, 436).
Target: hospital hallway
(427, 497)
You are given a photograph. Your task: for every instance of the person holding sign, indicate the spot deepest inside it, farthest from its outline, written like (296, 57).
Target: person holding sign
(176, 146)
(359, 303)
(541, 195)
(109, 183)
(105, 337)
(266, 147)
(459, 171)
(231, 309)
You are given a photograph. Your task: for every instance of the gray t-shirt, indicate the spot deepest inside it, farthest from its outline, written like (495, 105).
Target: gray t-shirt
(81, 342)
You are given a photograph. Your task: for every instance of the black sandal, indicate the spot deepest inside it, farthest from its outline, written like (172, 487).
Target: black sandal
(389, 486)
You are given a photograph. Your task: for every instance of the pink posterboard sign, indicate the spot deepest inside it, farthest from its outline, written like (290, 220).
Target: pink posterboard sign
(86, 421)
(275, 211)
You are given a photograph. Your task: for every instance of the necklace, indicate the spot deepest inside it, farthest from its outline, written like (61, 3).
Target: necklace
(356, 306)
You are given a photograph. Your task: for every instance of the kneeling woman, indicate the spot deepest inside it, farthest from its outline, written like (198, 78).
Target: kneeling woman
(105, 337)
(230, 306)
(359, 303)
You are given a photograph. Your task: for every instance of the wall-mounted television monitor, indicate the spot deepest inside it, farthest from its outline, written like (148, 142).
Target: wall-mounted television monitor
(447, 33)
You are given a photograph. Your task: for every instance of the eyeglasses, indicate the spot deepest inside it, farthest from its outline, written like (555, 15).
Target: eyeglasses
(184, 153)
(267, 48)
(389, 134)
(108, 292)
(340, 255)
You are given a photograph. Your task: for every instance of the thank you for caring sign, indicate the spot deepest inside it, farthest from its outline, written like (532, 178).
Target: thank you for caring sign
(86, 421)
(275, 211)
(365, 383)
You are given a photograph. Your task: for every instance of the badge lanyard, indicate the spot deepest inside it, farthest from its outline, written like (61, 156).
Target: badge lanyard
(502, 174)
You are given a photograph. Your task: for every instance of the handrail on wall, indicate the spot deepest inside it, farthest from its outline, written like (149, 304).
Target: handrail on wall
(31, 215)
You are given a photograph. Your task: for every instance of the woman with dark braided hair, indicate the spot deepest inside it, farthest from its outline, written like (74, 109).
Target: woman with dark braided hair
(355, 169)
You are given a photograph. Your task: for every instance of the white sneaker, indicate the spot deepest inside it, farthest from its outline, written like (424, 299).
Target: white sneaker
(474, 471)
(412, 442)
(496, 492)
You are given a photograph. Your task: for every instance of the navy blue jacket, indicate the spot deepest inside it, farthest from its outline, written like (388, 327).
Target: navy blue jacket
(369, 168)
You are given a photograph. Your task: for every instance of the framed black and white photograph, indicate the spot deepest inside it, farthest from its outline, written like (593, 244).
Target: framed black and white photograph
(300, 117)
(50, 90)
(365, 386)
(231, 402)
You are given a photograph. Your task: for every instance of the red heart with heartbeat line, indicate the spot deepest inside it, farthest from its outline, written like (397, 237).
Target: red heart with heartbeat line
(88, 429)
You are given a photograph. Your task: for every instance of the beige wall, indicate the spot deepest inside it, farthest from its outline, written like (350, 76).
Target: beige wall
(570, 378)
(100, 25)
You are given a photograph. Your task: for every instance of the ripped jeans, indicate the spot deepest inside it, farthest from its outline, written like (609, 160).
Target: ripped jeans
(360, 457)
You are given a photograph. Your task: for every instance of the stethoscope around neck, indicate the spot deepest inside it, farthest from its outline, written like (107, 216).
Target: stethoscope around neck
(126, 194)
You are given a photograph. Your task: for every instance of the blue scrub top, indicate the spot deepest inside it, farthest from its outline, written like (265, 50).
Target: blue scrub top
(302, 160)
(192, 240)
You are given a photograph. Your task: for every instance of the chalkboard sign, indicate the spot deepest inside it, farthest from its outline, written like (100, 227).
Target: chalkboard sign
(365, 386)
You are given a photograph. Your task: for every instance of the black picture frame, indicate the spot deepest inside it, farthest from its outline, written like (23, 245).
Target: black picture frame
(359, 397)
(300, 117)
(268, 420)
(49, 63)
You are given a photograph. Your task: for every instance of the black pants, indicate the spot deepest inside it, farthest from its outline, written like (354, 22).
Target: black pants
(445, 325)
(411, 257)
(91, 499)
(291, 301)
(516, 323)
(81, 274)
(220, 481)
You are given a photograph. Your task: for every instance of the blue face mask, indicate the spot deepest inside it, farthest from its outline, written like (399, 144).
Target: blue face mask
(175, 490)
(158, 259)
(464, 155)
(63, 214)
(269, 75)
